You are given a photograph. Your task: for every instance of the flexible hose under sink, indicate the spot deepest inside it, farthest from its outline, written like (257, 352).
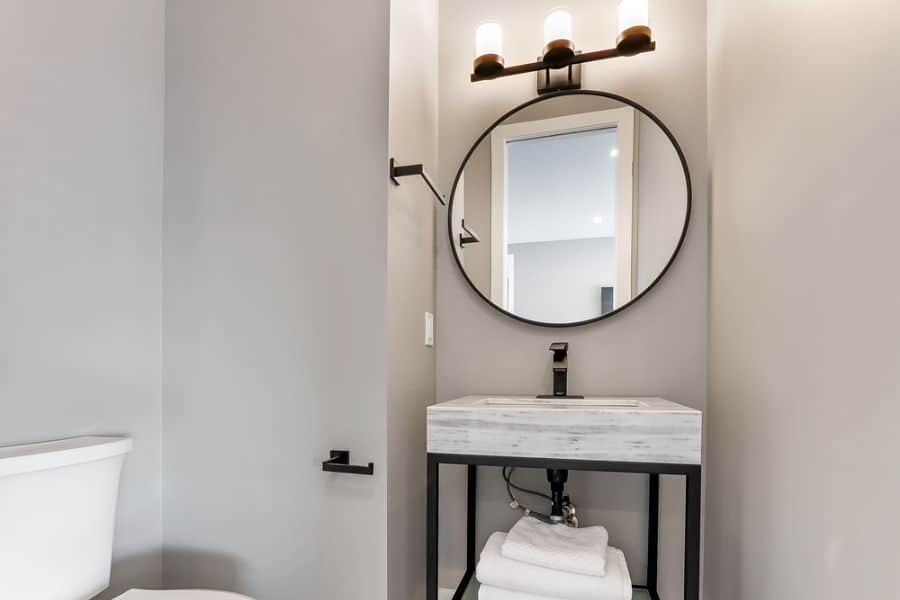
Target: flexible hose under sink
(569, 512)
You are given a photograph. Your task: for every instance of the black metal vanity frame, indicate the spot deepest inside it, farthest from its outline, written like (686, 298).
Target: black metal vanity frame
(691, 473)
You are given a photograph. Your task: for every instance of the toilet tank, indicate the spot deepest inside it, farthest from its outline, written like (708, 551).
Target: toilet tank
(57, 515)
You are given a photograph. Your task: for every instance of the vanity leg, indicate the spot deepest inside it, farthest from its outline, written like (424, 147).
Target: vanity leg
(653, 537)
(692, 536)
(472, 491)
(431, 569)
(471, 495)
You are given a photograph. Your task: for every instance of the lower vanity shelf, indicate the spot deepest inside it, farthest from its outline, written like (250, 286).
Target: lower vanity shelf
(472, 593)
(648, 436)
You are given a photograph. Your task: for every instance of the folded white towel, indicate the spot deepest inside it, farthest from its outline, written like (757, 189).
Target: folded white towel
(487, 592)
(495, 570)
(558, 546)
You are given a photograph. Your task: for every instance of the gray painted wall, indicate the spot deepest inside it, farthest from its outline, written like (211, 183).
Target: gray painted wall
(413, 138)
(805, 363)
(657, 347)
(275, 297)
(81, 169)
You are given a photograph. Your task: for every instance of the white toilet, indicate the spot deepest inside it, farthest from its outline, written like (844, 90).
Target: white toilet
(57, 515)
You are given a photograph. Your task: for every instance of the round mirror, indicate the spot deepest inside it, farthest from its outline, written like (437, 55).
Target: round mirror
(569, 208)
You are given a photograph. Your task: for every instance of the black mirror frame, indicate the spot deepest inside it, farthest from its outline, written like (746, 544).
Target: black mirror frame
(542, 98)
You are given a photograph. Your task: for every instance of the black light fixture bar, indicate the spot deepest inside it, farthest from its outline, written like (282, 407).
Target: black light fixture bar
(574, 60)
(417, 169)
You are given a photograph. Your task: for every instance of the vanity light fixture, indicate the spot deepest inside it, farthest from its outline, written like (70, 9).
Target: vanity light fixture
(559, 67)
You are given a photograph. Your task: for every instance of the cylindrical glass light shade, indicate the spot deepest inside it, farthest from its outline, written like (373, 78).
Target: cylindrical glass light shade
(488, 49)
(489, 39)
(558, 26)
(633, 13)
(634, 25)
(559, 46)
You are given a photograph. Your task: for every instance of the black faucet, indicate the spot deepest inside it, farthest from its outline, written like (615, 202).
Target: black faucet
(560, 352)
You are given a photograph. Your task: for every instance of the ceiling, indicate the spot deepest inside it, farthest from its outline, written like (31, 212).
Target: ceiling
(559, 186)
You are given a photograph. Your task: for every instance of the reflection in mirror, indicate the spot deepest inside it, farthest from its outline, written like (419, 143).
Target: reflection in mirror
(579, 203)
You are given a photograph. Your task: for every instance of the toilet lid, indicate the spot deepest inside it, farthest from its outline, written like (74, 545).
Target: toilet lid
(180, 595)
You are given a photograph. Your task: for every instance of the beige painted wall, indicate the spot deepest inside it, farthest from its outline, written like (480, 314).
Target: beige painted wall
(412, 138)
(81, 175)
(657, 347)
(804, 401)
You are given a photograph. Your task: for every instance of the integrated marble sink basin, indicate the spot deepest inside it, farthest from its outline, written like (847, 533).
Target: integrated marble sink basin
(561, 402)
(649, 430)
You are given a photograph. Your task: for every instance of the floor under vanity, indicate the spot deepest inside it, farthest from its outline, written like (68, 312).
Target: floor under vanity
(625, 435)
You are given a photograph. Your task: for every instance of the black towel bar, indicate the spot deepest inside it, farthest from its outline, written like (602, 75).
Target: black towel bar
(396, 171)
(340, 463)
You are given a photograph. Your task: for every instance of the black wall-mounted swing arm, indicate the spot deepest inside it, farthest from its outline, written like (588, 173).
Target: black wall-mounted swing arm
(468, 236)
(408, 170)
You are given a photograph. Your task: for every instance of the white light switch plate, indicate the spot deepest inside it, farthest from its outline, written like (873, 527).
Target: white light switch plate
(429, 329)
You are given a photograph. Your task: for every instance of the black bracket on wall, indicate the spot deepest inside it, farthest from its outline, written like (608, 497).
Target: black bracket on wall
(556, 80)
(408, 170)
(340, 463)
(470, 236)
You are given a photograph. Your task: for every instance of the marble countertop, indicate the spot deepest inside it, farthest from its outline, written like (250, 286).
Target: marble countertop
(614, 429)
